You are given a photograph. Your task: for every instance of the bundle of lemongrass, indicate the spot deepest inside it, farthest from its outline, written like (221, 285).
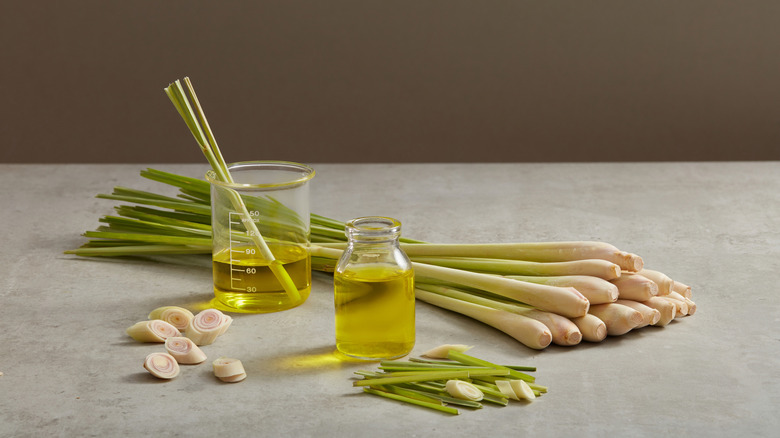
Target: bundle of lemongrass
(538, 293)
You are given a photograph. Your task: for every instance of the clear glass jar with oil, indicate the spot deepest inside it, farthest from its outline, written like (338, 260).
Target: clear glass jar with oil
(374, 292)
(266, 200)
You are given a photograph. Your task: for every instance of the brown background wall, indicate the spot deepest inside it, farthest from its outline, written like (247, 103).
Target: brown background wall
(404, 80)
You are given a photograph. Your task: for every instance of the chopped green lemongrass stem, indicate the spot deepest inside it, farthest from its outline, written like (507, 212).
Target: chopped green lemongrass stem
(437, 396)
(469, 372)
(416, 377)
(417, 395)
(423, 361)
(471, 360)
(396, 368)
(435, 406)
(201, 130)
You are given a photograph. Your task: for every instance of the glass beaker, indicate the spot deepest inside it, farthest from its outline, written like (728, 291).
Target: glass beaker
(275, 195)
(374, 292)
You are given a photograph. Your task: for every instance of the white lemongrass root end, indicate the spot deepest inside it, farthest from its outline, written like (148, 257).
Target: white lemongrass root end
(618, 318)
(229, 370)
(178, 317)
(650, 316)
(154, 330)
(184, 350)
(635, 287)
(682, 289)
(207, 325)
(441, 351)
(681, 305)
(664, 283)
(463, 390)
(666, 308)
(161, 365)
(592, 328)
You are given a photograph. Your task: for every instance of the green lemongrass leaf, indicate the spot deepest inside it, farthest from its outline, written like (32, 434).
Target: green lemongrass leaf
(135, 210)
(151, 238)
(138, 250)
(137, 224)
(160, 219)
(188, 197)
(435, 406)
(186, 206)
(416, 377)
(180, 181)
(489, 398)
(471, 360)
(124, 191)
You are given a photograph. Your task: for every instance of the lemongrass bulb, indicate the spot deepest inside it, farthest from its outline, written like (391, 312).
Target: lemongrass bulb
(650, 316)
(592, 328)
(666, 308)
(184, 350)
(441, 351)
(161, 365)
(178, 317)
(665, 284)
(229, 370)
(154, 330)
(682, 289)
(463, 390)
(618, 318)
(635, 287)
(207, 325)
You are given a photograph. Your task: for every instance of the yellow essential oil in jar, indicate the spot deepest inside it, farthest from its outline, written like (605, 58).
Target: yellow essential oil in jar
(374, 292)
(243, 280)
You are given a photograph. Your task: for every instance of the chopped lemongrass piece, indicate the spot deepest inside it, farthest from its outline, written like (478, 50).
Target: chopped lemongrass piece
(229, 370)
(463, 390)
(161, 365)
(416, 377)
(413, 401)
(522, 390)
(207, 325)
(201, 130)
(155, 330)
(506, 388)
(184, 350)
(441, 351)
(178, 317)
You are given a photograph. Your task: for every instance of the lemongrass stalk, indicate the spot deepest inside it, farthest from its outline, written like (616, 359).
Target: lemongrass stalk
(665, 284)
(471, 360)
(423, 361)
(139, 250)
(211, 150)
(593, 267)
(619, 319)
(413, 401)
(532, 251)
(151, 238)
(565, 301)
(484, 371)
(682, 289)
(529, 332)
(666, 308)
(564, 332)
(595, 289)
(592, 328)
(415, 377)
(635, 287)
(402, 389)
(650, 316)
(680, 303)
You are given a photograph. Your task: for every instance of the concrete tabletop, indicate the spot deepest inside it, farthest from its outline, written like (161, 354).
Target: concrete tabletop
(69, 369)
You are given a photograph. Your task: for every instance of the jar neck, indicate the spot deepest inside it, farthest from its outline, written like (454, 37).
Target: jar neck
(373, 230)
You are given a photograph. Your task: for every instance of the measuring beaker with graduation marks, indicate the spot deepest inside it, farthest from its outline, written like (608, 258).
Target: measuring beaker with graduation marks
(260, 230)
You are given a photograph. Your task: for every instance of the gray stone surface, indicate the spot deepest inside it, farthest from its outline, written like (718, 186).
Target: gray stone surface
(70, 370)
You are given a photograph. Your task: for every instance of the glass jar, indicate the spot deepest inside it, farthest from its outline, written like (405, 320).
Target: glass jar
(374, 292)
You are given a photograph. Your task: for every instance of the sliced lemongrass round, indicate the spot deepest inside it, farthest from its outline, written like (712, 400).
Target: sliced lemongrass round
(184, 350)
(229, 370)
(207, 325)
(161, 365)
(506, 388)
(463, 390)
(178, 317)
(441, 351)
(154, 330)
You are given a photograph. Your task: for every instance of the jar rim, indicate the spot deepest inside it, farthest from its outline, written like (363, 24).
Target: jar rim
(374, 226)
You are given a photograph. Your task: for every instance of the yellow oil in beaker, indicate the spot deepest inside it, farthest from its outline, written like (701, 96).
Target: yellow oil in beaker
(243, 280)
